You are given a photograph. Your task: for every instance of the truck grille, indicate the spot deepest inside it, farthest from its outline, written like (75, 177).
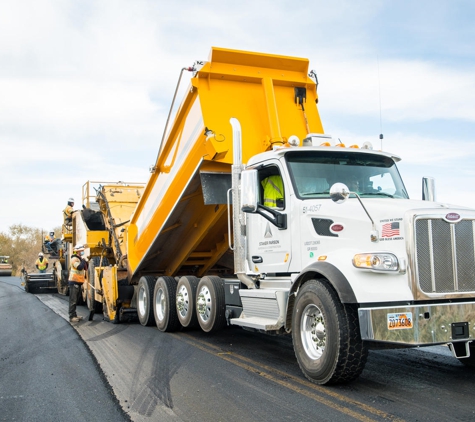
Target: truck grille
(445, 255)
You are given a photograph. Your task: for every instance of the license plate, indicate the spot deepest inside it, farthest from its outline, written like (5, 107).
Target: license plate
(400, 321)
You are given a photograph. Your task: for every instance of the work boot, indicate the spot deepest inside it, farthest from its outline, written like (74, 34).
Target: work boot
(76, 319)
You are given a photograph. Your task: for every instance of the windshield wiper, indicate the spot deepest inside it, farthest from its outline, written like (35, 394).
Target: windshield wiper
(315, 193)
(377, 193)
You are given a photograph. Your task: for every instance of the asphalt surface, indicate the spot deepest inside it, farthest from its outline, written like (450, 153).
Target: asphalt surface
(47, 373)
(233, 375)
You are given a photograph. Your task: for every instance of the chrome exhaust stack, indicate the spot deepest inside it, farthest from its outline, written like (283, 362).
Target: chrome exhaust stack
(239, 217)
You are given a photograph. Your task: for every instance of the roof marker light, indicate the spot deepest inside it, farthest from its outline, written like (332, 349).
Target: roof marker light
(294, 141)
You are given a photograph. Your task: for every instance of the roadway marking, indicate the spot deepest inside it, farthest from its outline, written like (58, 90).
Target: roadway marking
(259, 369)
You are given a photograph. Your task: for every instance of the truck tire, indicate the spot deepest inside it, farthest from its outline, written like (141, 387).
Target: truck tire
(92, 303)
(210, 304)
(164, 304)
(326, 335)
(145, 290)
(186, 300)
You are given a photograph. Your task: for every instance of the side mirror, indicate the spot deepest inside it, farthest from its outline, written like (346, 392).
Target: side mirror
(339, 193)
(428, 189)
(249, 191)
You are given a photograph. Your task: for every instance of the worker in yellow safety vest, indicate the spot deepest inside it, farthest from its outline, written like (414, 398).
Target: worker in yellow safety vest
(68, 212)
(41, 263)
(273, 191)
(77, 276)
(49, 239)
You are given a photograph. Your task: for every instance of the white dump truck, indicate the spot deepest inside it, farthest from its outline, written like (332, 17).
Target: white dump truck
(254, 217)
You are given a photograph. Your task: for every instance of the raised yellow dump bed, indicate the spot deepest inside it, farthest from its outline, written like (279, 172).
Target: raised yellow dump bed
(179, 228)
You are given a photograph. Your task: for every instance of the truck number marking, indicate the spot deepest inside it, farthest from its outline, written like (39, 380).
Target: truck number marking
(400, 321)
(311, 208)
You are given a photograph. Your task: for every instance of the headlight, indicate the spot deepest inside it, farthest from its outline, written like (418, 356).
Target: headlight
(376, 261)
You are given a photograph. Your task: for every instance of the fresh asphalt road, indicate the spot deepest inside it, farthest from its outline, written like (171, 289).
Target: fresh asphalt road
(46, 371)
(233, 375)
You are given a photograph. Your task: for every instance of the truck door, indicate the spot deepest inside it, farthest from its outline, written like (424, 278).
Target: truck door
(269, 248)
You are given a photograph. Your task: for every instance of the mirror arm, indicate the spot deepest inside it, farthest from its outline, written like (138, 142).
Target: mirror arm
(276, 218)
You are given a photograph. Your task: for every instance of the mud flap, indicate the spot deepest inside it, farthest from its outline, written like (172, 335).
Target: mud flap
(460, 350)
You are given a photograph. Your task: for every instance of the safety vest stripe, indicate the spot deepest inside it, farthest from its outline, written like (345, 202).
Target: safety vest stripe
(274, 186)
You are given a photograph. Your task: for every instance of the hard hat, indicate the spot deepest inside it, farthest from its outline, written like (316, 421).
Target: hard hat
(79, 248)
(71, 200)
(40, 254)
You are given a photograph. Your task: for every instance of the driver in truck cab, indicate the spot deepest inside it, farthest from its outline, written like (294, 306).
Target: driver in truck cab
(273, 191)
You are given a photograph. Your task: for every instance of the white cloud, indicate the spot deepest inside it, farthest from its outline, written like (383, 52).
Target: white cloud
(85, 87)
(409, 90)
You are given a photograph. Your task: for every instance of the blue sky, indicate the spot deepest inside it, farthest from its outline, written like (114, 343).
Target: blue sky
(85, 86)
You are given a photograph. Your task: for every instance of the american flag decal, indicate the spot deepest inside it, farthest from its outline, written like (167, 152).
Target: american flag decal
(390, 230)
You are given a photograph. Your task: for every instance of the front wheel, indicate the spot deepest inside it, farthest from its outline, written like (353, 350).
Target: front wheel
(325, 335)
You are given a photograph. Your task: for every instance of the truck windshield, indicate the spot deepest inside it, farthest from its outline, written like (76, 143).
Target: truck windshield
(367, 174)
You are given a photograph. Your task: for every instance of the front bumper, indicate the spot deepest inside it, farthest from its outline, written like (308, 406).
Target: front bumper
(419, 325)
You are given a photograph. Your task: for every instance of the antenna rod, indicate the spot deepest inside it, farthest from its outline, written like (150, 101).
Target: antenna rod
(380, 112)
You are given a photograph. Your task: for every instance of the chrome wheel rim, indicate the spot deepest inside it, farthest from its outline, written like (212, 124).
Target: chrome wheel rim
(203, 304)
(182, 301)
(160, 304)
(142, 301)
(312, 331)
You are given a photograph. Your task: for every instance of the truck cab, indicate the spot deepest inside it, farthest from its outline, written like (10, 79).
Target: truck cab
(403, 267)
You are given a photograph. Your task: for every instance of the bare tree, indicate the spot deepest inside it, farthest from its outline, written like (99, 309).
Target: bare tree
(22, 244)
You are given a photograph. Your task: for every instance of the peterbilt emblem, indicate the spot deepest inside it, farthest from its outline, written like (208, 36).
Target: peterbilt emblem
(336, 228)
(452, 217)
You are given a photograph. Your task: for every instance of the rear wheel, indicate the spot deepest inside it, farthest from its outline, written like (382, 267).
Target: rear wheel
(185, 300)
(210, 304)
(326, 336)
(92, 303)
(164, 304)
(144, 300)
